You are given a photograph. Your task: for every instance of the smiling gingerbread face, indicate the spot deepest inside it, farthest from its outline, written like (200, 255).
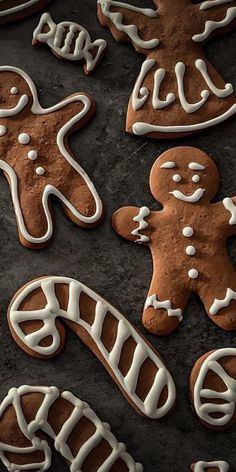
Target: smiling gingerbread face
(185, 175)
(15, 93)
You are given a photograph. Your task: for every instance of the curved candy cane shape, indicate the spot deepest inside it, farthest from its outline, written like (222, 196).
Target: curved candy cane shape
(133, 363)
(74, 427)
(215, 414)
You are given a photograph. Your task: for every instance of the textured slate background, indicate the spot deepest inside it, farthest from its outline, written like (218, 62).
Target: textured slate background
(119, 165)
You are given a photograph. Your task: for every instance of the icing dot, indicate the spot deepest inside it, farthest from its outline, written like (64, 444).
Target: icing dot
(32, 155)
(14, 91)
(3, 130)
(143, 91)
(191, 250)
(40, 171)
(176, 178)
(195, 178)
(188, 232)
(193, 274)
(24, 138)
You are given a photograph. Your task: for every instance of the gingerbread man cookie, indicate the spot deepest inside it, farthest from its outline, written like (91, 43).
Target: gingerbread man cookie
(34, 320)
(213, 388)
(37, 161)
(31, 415)
(178, 91)
(12, 10)
(215, 466)
(187, 240)
(69, 41)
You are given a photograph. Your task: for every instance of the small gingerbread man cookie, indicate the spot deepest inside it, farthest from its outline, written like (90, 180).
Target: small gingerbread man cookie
(11, 10)
(187, 240)
(37, 161)
(215, 466)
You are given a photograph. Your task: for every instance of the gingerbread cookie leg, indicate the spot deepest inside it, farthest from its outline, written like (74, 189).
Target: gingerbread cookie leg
(134, 365)
(31, 415)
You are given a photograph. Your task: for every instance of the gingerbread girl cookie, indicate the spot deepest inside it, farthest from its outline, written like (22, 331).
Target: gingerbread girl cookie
(30, 416)
(213, 388)
(178, 91)
(187, 240)
(215, 466)
(12, 10)
(37, 161)
(34, 320)
(69, 41)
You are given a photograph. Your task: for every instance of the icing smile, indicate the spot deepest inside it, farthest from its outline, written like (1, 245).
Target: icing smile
(195, 197)
(17, 109)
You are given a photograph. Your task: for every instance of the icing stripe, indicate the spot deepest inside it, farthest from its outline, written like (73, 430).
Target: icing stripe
(18, 8)
(220, 93)
(213, 3)
(231, 207)
(152, 301)
(201, 466)
(211, 26)
(219, 304)
(188, 107)
(143, 213)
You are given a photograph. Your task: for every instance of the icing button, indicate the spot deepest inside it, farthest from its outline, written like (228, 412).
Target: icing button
(187, 232)
(32, 155)
(24, 138)
(193, 273)
(40, 171)
(191, 250)
(176, 178)
(14, 91)
(3, 130)
(195, 178)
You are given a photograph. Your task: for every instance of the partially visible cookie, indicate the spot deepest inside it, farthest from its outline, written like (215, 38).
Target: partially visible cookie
(13, 10)
(213, 388)
(31, 415)
(215, 466)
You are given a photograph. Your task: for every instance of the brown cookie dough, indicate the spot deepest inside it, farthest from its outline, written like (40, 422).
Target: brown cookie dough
(13, 10)
(187, 240)
(34, 417)
(37, 160)
(178, 92)
(212, 388)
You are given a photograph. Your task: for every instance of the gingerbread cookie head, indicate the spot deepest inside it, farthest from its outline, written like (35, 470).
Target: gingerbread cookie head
(184, 174)
(16, 91)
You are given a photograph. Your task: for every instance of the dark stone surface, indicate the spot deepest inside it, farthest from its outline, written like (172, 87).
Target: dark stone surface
(119, 165)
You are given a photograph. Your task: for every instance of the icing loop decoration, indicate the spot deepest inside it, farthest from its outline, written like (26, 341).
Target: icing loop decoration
(188, 107)
(42, 400)
(203, 466)
(69, 41)
(187, 239)
(73, 312)
(19, 9)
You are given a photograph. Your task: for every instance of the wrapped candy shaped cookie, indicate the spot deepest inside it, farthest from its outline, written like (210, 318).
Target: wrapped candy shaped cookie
(178, 92)
(37, 161)
(187, 239)
(213, 466)
(17, 10)
(35, 315)
(34, 417)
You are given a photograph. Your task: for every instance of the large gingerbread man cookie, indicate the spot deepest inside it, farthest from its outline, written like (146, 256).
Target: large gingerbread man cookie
(36, 159)
(12, 10)
(187, 240)
(178, 91)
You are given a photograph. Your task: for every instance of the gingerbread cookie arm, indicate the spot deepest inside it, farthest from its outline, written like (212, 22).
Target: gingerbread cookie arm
(126, 23)
(83, 440)
(214, 466)
(214, 16)
(132, 223)
(229, 214)
(132, 363)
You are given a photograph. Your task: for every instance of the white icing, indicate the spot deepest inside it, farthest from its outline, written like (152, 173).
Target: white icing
(188, 107)
(220, 93)
(196, 166)
(195, 178)
(211, 26)
(191, 250)
(76, 45)
(80, 410)
(14, 91)
(194, 198)
(168, 165)
(143, 213)
(137, 101)
(18, 8)
(60, 139)
(201, 466)
(141, 128)
(23, 101)
(129, 30)
(40, 171)
(231, 207)
(213, 3)
(24, 138)
(176, 178)
(227, 408)
(32, 155)
(52, 311)
(3, 130)
(187, 232)
(156, 102)
(219, 304)
(153, 301)
(193, 273)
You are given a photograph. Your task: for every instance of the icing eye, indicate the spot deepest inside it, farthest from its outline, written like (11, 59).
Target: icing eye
(14, 91)
(195, 178)
(176, 178)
